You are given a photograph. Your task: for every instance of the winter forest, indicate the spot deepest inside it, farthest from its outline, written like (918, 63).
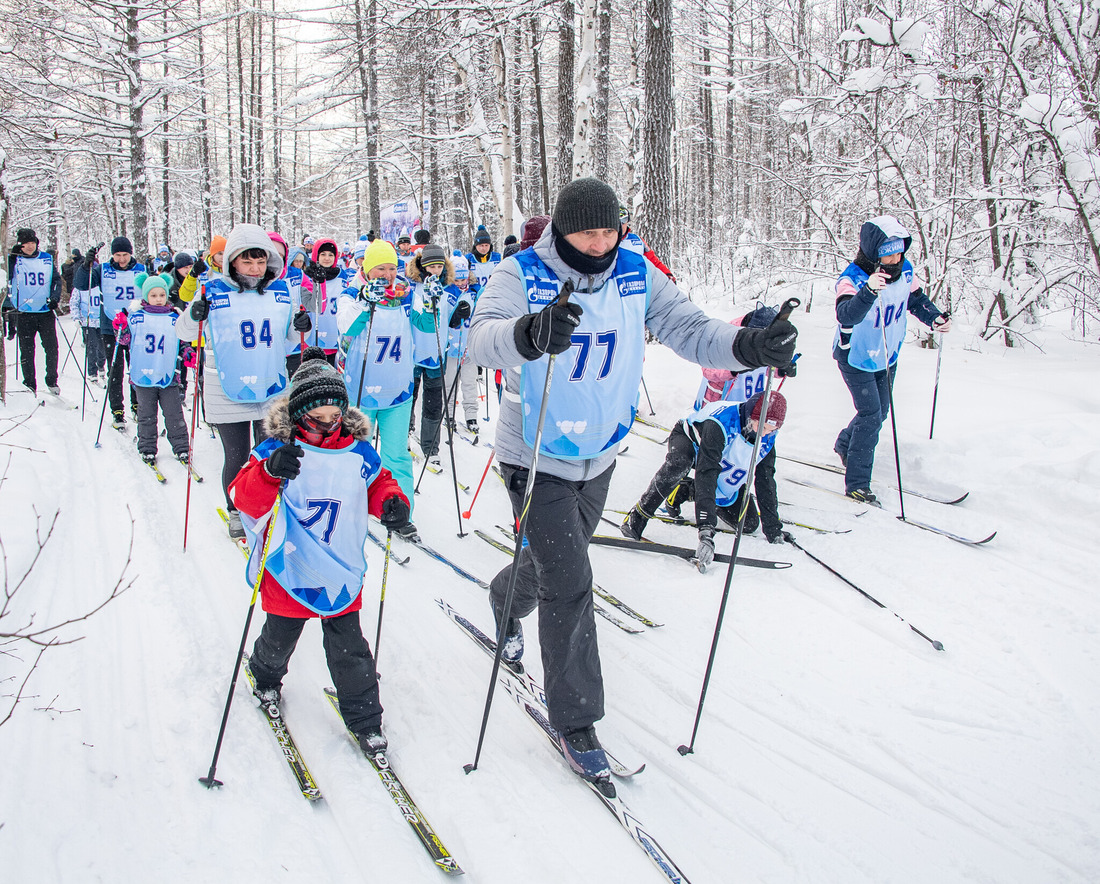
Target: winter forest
(749, 137)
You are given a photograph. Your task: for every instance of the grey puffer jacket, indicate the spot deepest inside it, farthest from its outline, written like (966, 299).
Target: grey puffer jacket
(671, 317)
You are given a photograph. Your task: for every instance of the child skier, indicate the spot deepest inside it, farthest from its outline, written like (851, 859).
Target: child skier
(382, 385)
(717, 440)
(150, 333)
(429, 272)
(318, 458)
(461, 298)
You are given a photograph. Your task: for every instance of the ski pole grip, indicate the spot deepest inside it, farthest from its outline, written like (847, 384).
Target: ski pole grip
(787, 309)
(566, 291)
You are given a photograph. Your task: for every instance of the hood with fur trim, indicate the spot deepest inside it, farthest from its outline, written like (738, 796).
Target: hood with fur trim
(278, 424)
(414, 272)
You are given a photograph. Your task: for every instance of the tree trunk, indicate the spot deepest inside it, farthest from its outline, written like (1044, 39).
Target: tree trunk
(600, 147)
(138, 171)
(657, 179)
(539, 123)
(205, 169)
(991, 213)
(585, 92)
(566, 39)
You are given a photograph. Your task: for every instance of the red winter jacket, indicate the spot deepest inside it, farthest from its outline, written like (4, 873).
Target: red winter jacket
(254, 492)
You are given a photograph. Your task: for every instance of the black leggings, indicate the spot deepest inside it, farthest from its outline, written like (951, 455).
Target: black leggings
(236, 447)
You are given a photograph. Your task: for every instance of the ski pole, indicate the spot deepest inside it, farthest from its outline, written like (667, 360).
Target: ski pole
(84, 392)
(366, 353)
(784, 312)
(191, 444)
(893, 419)
(783, 379)
(525, 510)
(645, 389)
(453, 394)
(69, 344)
(936, 388)
(935, 644)
(209, 780)
(382, 600)
(488, 463)
(107, 393)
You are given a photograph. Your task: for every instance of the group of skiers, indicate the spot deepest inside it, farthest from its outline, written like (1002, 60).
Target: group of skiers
(310, 365)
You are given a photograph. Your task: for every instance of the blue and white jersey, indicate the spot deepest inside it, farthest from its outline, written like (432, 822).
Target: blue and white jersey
(427, 345)
(482, 271)
(740, 388)
(737, 455)
(867, 350)
(595, 392)
(388, 379)
(456, 337)
(293, 280)
(118, 288)
(315, 551)
(154, 348)
(325, 297)
(31, 281)
(248, 332)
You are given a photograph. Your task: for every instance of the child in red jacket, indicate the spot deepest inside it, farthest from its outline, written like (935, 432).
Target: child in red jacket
(319, 458)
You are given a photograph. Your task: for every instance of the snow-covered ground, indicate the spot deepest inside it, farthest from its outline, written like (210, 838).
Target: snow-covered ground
(835, 744)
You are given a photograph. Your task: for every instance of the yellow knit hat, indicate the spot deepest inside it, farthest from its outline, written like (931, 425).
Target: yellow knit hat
(378, 252)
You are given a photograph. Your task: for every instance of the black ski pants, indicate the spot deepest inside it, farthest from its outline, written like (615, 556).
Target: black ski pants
(170, 402)
(236, 446)
(349, 662)
(556, 576)
(44, 326)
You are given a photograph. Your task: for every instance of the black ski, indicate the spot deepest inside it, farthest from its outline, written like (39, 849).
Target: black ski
(294, 760)
(381, 544)
(830, 468)
(439, 557)
(687, 523)
(969, 541)
(606, 792)
(400, 795)
(682, 552)
(521, 681)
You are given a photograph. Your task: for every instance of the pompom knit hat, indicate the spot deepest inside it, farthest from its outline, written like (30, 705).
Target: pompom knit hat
(314, 384)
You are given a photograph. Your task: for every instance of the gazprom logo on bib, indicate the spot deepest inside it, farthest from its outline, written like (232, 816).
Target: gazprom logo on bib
(631, 286)
(541, 292)
(219, 300)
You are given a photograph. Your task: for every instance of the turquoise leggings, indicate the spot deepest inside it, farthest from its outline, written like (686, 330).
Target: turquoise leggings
(393, 445)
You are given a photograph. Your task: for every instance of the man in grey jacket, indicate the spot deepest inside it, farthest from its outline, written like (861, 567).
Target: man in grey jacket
(598, 337)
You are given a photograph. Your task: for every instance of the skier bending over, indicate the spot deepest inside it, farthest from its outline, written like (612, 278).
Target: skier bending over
(598, 338)
(717, 440)
(317, 455)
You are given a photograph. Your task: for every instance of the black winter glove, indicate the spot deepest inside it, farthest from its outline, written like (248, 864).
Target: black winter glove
(395, 513)
(781, 537)
(284, 462)
(11, 323)
(200, 309)
(547, 331)
(54, 303)
(462, 312)
(774, 345)
(302, 322)
(316, 272)
(89, 259)
(198, 268)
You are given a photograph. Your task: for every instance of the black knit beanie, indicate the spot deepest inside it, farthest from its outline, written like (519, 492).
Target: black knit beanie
(422, 236)
(25, 235)
(121, 244)
(586, 204)
(316, 383)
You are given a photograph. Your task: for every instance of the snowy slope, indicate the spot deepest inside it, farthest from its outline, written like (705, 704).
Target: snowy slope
(835, 745)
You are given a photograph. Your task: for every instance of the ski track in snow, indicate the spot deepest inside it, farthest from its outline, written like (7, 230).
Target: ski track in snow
(835, 744)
